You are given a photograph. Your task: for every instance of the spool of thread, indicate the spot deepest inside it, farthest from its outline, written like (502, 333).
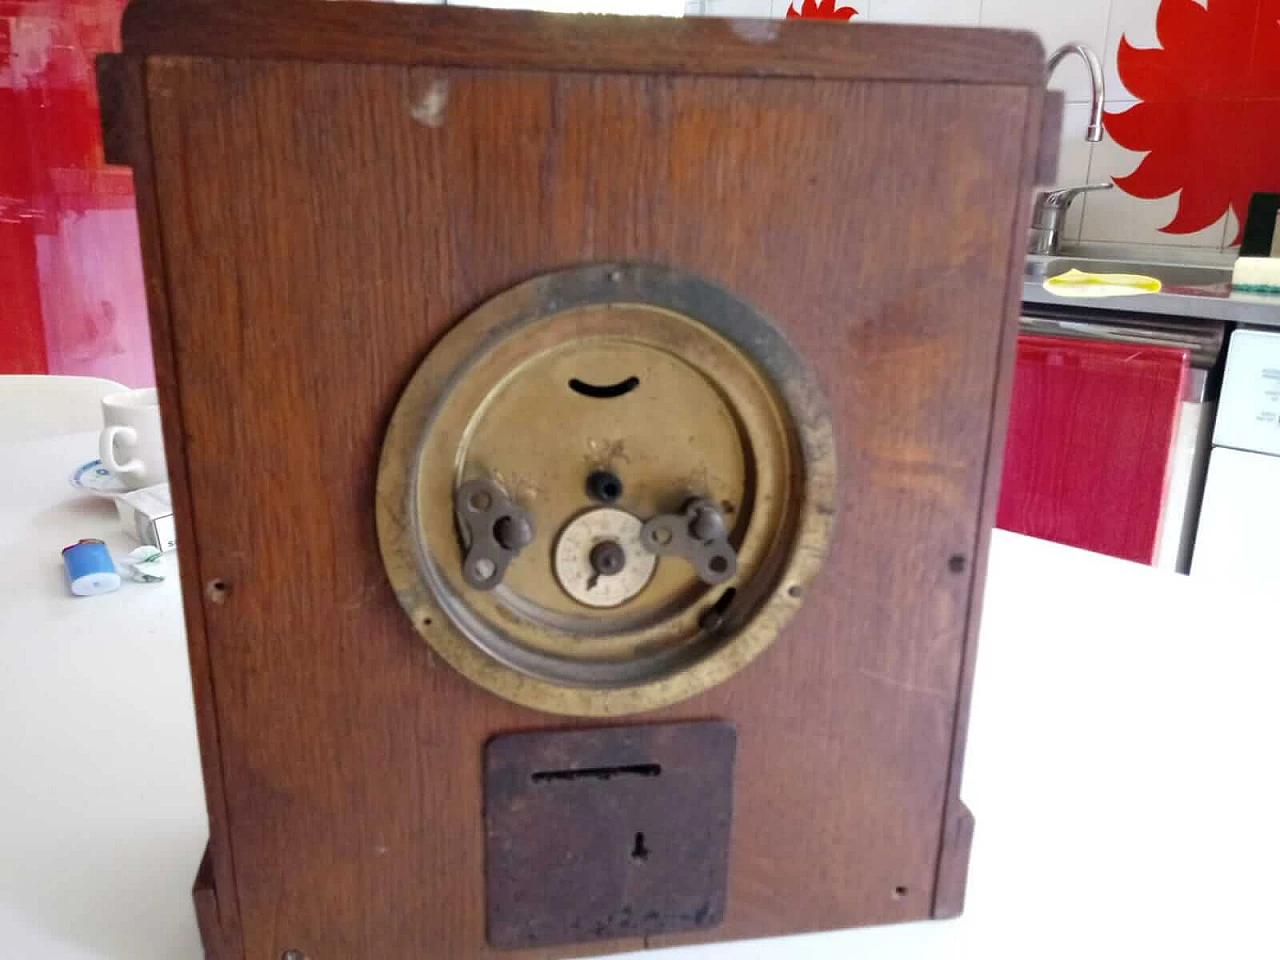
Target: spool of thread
(90, 569)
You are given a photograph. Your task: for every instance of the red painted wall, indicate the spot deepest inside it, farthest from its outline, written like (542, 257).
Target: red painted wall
(70, 263)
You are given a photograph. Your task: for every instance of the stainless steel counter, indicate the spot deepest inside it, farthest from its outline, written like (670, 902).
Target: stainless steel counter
(1193, 292)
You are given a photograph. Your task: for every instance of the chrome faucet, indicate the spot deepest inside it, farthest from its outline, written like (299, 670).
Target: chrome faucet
(1094, 133)
(1051, 213)
(1051, 206)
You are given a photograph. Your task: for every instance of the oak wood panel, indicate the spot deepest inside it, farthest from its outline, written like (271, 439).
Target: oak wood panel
(958, 822)
(128, 134)
(456, 37)
(318, 239)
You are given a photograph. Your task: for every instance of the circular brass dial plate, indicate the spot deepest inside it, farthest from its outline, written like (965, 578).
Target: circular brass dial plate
(673, 384)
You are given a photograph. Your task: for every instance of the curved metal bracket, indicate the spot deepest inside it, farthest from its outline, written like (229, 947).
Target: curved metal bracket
(494, 531)
(699, 534)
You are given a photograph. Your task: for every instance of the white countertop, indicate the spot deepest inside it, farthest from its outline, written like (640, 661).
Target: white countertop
(1121, 760)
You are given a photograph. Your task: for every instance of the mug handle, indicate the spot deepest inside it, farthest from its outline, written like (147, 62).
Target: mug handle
(107, 449)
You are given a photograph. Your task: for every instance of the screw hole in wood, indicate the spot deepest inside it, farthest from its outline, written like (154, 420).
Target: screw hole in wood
(638, 850)
(957, 563)
(900, 892)
(217, 589)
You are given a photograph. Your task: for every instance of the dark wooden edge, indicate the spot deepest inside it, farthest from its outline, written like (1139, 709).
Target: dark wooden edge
(121, 127)
(953, 865)
(1050, 138)
(448, 36)
(957, 821)
(125, 122)
(205, 898)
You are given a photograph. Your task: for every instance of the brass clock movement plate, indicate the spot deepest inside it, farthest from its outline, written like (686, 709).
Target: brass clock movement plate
(606, 489)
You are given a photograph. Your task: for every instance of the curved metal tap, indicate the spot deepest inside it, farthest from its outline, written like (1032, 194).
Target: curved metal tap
(1094, 133)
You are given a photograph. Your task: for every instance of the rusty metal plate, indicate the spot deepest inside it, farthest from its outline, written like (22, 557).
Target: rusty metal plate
(603, 834)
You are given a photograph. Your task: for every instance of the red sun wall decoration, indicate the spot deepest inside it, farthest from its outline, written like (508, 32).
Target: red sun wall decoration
(1210, 111)
(820, 10)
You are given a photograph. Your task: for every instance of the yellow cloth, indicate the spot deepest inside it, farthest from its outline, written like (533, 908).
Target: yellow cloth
(1077, 283)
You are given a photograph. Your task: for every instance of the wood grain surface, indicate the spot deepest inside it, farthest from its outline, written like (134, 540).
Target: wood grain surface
(317, 238)
(126, 134)
(513, 39)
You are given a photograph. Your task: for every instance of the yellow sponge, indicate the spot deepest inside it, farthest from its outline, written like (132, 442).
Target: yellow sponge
(1077, 283)
(1256, 274)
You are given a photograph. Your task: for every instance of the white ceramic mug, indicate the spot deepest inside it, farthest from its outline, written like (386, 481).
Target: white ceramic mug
(131, 446)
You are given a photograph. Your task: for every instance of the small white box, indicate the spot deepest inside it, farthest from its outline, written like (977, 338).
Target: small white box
(148, 515)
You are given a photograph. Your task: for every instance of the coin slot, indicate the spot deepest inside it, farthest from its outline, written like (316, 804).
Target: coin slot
(604, 391)
(599, 773)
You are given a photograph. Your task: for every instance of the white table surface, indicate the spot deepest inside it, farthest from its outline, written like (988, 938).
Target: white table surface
(1121, 760)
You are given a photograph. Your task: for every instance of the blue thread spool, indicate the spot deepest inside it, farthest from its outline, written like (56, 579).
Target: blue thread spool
(90, 569)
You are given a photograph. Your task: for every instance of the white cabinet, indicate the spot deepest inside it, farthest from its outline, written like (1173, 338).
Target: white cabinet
(1249, 410)
(1239, 534)
(1238, 538)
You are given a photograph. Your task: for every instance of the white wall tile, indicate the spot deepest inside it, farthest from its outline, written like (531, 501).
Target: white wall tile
(646, 8)
(940, 12)
(1229, 236)
(1135, 20)
(1073, 164)
(1112, 216)
(739, 8)
(1057, 22)
(862, 6)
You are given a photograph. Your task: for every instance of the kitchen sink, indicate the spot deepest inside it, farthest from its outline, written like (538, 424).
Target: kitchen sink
(1173, 277)
(1196, 292)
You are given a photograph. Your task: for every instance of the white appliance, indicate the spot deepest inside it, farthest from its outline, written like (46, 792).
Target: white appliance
(1238, 538)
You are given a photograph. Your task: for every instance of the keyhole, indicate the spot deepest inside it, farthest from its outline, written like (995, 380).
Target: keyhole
(639, 851)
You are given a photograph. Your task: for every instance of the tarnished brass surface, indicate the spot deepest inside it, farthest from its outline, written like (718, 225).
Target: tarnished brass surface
(711, 402)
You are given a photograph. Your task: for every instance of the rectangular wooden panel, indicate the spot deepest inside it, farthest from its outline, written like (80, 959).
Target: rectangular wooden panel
(319, 225)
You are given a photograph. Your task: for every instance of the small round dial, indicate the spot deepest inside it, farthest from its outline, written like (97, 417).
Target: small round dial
(599, 559)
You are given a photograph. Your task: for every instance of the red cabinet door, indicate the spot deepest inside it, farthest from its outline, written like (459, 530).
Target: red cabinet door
(1090, 435)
